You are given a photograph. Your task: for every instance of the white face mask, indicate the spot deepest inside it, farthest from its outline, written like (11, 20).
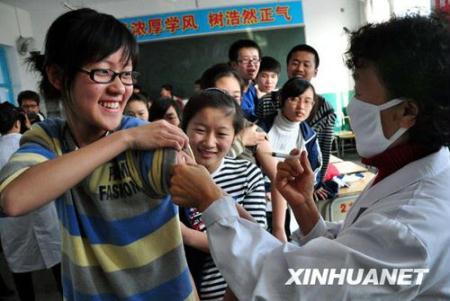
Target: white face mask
(365, 121)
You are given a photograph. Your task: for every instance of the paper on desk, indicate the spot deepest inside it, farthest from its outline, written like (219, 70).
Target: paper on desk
(347, 180)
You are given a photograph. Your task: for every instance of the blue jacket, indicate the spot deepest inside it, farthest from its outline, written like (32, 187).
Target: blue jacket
(248, 104)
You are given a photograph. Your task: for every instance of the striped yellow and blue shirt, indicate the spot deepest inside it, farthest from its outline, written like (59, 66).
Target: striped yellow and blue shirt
(121, 238)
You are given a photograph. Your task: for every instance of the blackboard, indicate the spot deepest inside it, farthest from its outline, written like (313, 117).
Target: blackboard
(181, 61)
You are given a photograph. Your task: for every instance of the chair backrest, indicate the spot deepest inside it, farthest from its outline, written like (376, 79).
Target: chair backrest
(345, 120)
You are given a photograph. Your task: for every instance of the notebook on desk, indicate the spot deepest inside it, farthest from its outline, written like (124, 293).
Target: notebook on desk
(348, 167)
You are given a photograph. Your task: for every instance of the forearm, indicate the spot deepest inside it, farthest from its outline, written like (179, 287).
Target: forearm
(45, 182)
(228, 233)
(307, 215)
(268, 163)
(279, 207)
(194, 238)
(244, 213)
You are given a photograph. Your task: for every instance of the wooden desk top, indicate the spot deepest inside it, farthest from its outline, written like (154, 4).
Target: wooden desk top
(358, 186)
(334, 159)
(348, 167)
(345, 135)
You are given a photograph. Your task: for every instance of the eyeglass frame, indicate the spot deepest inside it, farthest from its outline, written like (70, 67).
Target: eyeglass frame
(297, 99)
(91, 73)
(247, 61)
(30, 106)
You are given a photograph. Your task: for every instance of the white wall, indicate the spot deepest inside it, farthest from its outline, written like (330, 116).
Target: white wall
(324, 22)
(10, 16)
(324, 29)
(9, 29)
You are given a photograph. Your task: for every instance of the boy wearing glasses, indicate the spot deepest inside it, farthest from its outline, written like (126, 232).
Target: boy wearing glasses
(245, 57)
(29, 101)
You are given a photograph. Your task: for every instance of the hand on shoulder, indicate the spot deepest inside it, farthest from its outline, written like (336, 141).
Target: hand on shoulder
(158, 134)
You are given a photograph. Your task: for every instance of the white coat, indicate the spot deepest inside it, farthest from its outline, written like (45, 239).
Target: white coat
(406, 225)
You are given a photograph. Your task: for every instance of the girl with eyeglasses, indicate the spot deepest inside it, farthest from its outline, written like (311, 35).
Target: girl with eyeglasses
(109, 173)
(287, 130)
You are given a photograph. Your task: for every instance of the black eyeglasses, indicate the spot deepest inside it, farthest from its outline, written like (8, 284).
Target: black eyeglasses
(248, 60)
(106, 76)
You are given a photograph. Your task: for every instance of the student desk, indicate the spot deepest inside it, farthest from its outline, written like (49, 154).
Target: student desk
(334, 159)
(348, 167)
(336, 209)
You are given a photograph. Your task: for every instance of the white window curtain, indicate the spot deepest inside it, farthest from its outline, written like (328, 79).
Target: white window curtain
(375, 11)
(401, 8)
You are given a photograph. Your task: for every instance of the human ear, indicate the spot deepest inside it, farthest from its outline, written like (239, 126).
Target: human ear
(17, 125)
(54, 76)
(409, 116)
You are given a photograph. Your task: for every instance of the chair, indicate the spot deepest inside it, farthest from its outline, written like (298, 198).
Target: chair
(345, 120)
(345, 140)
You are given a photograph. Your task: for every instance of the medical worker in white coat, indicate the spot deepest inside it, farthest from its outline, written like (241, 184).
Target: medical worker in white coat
(399, 226)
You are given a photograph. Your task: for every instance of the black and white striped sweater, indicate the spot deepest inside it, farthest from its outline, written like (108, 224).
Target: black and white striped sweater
(242, 180)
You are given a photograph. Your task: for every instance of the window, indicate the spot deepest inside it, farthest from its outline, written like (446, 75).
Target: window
(6, 92)
(382, 10)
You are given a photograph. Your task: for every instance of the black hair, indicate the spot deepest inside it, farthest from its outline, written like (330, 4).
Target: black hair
(411, 56)
(28, 94)
(9, 114)
(160, 106)
(167, 87)
(269, 64)
(216, 72)
(306, 48)
(213, 98)
(146, 96)
(233, 52)
(79, 37)
(293, 88)
(138, 97)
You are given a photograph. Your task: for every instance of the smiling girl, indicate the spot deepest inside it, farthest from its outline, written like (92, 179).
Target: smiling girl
(211, 120)
(287, 130)
(108, 173)
(250, 143)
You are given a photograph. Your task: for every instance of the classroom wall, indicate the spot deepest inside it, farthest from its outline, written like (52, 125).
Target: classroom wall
(190, 57)
(324, 22)
(326, 34)
(21, 78)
